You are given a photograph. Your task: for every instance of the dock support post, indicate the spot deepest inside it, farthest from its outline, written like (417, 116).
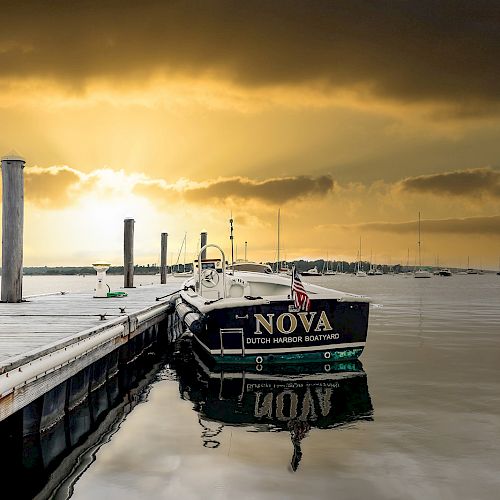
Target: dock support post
(128, 253)
(163, 258)
(203, 239)
(12, 227)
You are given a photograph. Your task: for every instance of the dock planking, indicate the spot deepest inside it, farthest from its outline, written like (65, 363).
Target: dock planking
(52, 336)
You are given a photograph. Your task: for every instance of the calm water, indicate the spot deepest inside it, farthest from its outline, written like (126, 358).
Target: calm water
(419, 419)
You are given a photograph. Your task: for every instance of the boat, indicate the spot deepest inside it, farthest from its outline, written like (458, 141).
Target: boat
(470, 270)
(340, 268)
(371, 271)
(311, 272)
(284, 269)
(250, 317)
(444, 272)
(176, 271)
(420, 273)
(327, 270)
(325, 397)
(359, 269)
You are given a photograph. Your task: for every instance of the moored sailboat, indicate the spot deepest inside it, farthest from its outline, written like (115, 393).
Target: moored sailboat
(360, 273)
(420, 273)
(311, 272)
(177, 271)
(327, 269)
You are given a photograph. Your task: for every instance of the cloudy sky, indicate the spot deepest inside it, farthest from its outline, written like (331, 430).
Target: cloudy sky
(349, 116)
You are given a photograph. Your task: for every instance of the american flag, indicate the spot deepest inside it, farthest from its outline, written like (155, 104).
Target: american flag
(299, 295)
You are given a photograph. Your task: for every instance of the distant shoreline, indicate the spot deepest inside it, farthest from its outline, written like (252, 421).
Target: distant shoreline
(153, 269)
(85, 271)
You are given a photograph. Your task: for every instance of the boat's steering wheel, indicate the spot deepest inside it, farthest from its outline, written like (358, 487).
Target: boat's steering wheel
(210, 277)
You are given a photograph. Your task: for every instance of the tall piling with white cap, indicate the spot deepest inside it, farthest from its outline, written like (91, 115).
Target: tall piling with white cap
(203, 239)
(163, 258)
(128, 253)
(12, 227)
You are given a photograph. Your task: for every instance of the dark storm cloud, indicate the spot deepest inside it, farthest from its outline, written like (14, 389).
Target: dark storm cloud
(475, 182)
(469, 225)
(446, 51)
(273, 191)
(50, 187)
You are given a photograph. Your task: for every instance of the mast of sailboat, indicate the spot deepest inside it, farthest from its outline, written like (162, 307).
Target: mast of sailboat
(419, 258)
(278, 257)
(232, 239)
(185, 245)
(246, 243)
(359, 265)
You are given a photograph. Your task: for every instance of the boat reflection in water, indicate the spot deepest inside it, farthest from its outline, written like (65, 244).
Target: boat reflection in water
(49, 444)
(292, 398)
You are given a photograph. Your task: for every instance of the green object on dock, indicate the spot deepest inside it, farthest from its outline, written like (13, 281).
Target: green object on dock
(116, 294)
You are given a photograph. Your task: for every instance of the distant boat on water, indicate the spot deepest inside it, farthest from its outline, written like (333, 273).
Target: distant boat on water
(359, 271)
(470, 270)
(327, 269)
(176, 269)
(311, 272)
(444, 272)
(420, 273)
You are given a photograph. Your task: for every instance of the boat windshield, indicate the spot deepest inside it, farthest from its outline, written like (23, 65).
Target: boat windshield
(209, 264)
(251, 267)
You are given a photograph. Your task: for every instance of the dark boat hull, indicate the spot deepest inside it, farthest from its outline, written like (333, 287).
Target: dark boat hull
(333, 330)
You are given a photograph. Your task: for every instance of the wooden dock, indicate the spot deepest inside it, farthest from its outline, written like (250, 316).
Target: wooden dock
(48, 338)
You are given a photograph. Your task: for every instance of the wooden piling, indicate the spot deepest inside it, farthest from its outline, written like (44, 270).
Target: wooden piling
(128, 253)
(163, 258)
(12, 227)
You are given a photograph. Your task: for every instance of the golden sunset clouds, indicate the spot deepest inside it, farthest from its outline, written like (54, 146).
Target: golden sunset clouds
(351, 117)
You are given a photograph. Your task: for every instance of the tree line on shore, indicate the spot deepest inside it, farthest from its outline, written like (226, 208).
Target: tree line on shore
(152, 269)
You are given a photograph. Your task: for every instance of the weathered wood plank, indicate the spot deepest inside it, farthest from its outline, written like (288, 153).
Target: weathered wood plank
(48, 320)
